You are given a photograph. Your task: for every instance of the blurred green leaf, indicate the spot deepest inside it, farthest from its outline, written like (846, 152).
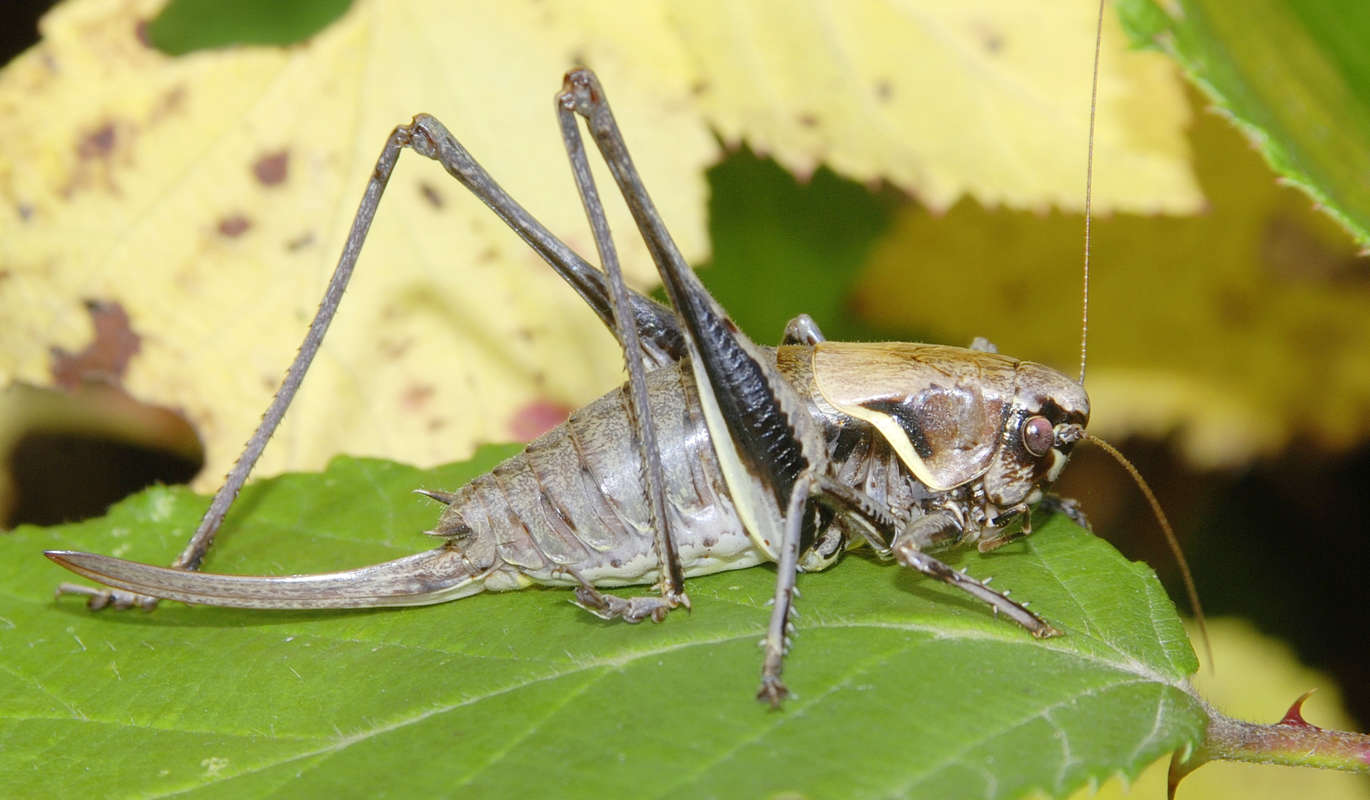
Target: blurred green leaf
(524, 694)
(184, 26)
(782, 247)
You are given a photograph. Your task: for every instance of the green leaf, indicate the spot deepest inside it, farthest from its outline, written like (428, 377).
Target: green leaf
(805, 241)
(185, 26)
(903, 687)
(1294, 76)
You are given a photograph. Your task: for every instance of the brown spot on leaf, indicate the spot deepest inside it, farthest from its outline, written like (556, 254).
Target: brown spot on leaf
(171, 101)
(700, 88)
(807, 119)
(271, 169)
(108, 354)
(234, 225)
(431, 195)
(989, 35)
(416, 396)
(536, 418)
(100, 151)
(392, 349)
(98, 144)
(884, 90)
(299, 242)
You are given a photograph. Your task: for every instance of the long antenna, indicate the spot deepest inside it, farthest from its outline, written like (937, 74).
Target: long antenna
(1089, 189)
(1171, 539)
(1169, 532)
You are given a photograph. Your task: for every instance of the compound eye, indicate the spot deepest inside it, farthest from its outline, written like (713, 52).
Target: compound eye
(1038, 436)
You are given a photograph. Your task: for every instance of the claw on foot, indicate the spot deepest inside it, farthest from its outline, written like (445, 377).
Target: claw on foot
(630, 610)
(772, 691)
(99, 598)
(1046, 632)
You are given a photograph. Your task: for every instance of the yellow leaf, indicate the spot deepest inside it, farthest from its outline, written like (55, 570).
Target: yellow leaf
(208, 195)
(947, 98)
(1235, 331)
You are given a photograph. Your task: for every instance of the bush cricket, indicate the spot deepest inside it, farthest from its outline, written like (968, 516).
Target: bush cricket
(716, 454)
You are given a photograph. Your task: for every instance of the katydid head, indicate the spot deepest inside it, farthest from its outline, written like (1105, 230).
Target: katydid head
(1047, 417)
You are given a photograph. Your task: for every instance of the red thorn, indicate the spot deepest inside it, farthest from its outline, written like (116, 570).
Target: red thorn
(1294, 716)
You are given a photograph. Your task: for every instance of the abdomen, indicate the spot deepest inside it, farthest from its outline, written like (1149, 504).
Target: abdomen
(573, 501)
